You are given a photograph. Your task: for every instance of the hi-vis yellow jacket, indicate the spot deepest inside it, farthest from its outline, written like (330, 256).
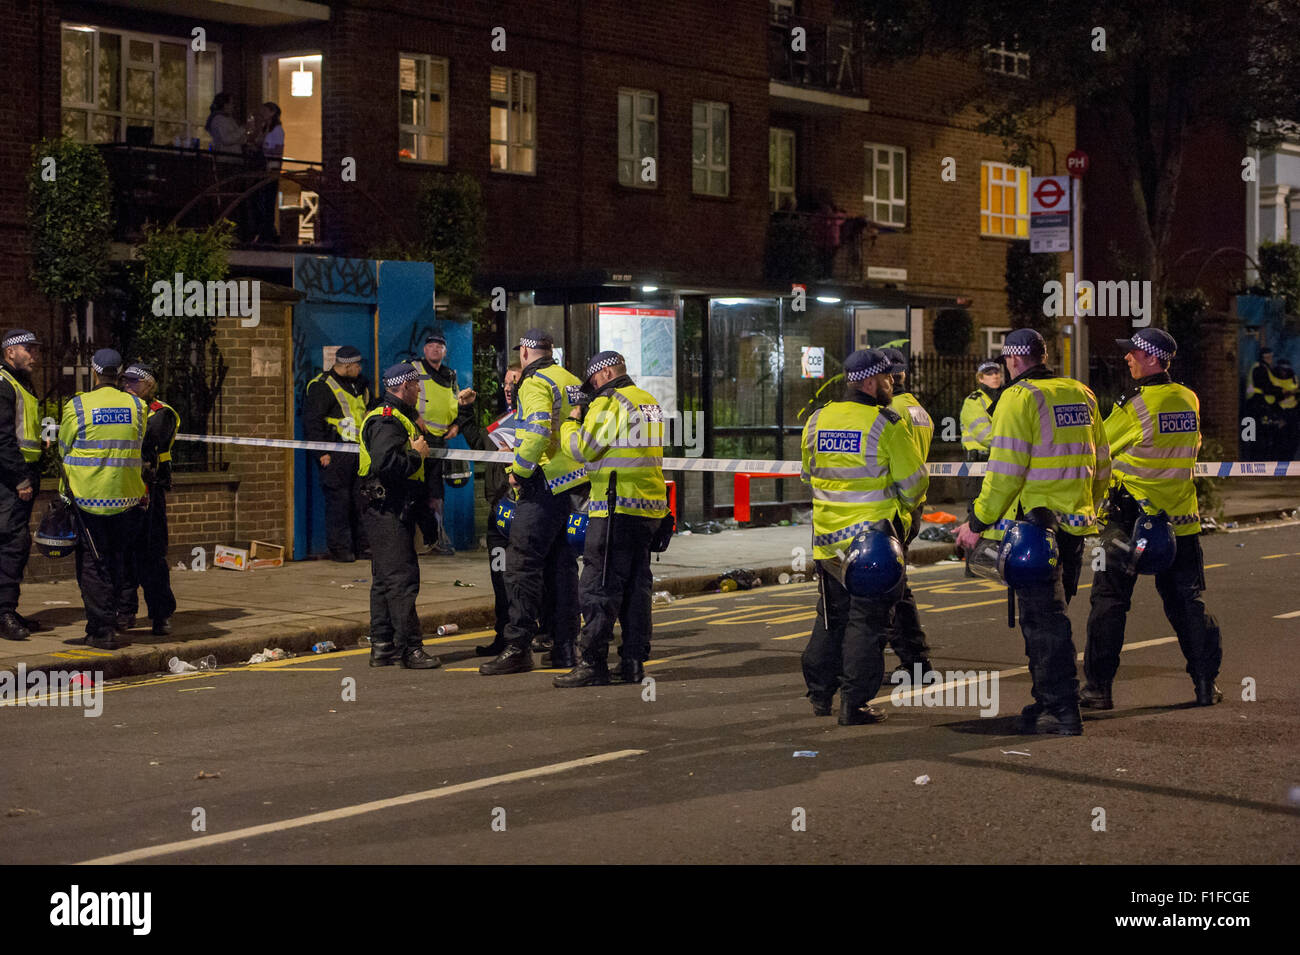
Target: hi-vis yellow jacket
(100, 437)
(1154, 439)
(547, 393)
(622, 431)
(1047, 449)
(864, 465)
(976, 424)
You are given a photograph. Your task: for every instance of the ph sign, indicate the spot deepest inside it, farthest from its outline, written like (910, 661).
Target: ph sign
(813, 362)
(1076, 164)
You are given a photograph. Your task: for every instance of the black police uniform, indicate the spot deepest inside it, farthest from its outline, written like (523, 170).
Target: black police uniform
(149, 567)
(495, 487)
(15, 513)
(344, 529)
(1180, 589)
(389, 514)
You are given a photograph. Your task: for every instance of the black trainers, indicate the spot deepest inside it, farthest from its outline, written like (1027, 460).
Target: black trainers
(513, 659)
(417, 659)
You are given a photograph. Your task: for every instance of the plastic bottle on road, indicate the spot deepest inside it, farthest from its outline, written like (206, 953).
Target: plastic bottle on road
(208, 663)
(662, 597)
(325, 646)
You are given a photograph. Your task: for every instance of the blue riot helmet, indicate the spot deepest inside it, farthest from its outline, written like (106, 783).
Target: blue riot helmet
(1154, 545)
(576, 532)
(56, 535)
(873, 566)
(504, 515)
(1029, 555)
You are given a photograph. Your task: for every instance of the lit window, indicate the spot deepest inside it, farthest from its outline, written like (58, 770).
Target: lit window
(1004, 200)
(638, 138)
(513, 121)
(884, 191)
(114, 79)
(422, 108)
(710, 149)
(780, 168)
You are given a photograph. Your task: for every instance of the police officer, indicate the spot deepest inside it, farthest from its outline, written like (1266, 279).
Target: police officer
(20, 476)
(1047, 449)
(335, 404)
(545, 477)
(149, 568)
(906, 637)
(1154, 435)
(495, 487)
(100, 438)
(1289, 407)
(976, 419)
(864, 466)
(393, 453)
(1263, 392)
(621, 434)
(436, 407)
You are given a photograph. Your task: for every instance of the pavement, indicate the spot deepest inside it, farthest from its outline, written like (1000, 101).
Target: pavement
(716, 758)
(232, 615)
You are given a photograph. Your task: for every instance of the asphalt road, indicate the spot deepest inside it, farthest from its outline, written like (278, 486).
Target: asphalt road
(703, 772)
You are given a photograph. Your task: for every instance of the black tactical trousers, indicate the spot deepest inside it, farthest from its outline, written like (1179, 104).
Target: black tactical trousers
(905, 635)
(149, 568)
(496, 548)
(394, 578)
(344, 527)
(1180, 588)
(538, 561)
(15, 540)
(847, 648)
(624, 594)
(102, 572)
(1049, 641)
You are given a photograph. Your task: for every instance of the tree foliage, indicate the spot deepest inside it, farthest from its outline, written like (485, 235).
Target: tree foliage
(453, 225)
(1026, 273)
(954, 330)
(69, 220)
(1279, 274)
(1168, 68)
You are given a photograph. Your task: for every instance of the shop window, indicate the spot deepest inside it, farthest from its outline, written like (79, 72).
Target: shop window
(1004, 200)
(422, 108)
(513, 121)
(114, 79)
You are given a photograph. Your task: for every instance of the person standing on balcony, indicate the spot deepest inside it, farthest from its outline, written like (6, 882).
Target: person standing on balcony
(227, 135)
(150, 569)
(437, 408)
(100, 439)
(335, 404)
(270, 145)
(20, 475)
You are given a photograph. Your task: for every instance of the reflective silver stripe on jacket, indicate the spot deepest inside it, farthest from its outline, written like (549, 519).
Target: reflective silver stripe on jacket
(852, 497)
(1152, 474)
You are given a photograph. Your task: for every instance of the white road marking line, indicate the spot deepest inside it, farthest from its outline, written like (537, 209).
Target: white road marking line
(1286, 616)
(187, 845)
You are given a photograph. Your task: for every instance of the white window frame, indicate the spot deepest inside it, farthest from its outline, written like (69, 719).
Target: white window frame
(710, 108)
(986, 200)
(993, 338)
(897, 159)
(521, 96)
(776, 190)
(637, 156)
(780, 11)
(1006, 54)
(427, 129)
(193, 125)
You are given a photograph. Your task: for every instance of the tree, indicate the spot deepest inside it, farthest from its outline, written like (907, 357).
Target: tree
(68, 203)
(1027, 274)
(1167, 67)
(953, 331)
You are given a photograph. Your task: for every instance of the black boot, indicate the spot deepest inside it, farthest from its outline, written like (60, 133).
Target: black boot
(1096, 697)
(104, 641)
(31, 623)
(563, 656)
(1207, 692)
(515, 658)
(1063, 720)
(821, 705)
(11, 627)
(491, 649)
(125, 622)
(632, 671)
(162, 627)
(855, 715)
(416, 659)
(383, 654)
(584, 674)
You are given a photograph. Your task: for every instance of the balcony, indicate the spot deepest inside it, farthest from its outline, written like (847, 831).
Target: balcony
(819, 246)
(825, 74)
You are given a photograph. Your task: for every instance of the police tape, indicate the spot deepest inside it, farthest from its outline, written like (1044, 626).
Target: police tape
(736, 465)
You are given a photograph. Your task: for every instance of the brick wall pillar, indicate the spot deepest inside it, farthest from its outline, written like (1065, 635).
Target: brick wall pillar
(1215, 380)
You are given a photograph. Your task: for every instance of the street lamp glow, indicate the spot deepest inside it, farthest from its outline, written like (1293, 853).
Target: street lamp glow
(828, 299)
(649, 288)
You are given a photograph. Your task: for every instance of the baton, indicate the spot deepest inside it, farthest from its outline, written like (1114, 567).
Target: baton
(611, 501)
(76, 510)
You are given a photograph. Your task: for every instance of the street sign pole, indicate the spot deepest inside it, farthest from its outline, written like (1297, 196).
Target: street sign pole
(1078, 345)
